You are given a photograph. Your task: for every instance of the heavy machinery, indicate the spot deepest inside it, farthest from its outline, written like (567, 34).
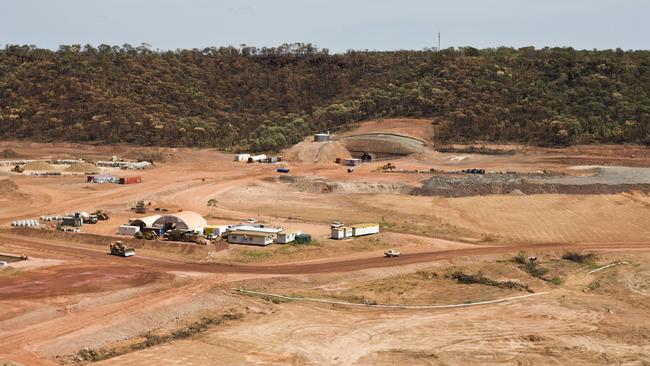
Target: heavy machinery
(119, 249)
(148, 233)
(101, 215)
(91, 219)
(388, 166)
(17, 169)
(140, 207)
(188, 236)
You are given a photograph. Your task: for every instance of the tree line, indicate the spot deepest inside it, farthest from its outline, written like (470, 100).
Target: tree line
(261, 99)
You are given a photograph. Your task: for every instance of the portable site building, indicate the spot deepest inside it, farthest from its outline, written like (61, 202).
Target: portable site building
(242, 157)
(257, 229)
(365, 229)
(217, 230)
(250, 237)
(341, 232)
(352, 162)
(256, 158)
(287, 237)
(354, 230)
(102, 178)
(127, 230)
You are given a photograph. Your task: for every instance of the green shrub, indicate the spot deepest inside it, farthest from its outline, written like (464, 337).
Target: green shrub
(580, 258)
(480, 279)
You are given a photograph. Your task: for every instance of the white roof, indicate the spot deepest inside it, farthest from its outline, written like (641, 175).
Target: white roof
(272, 230)
(146, 221)
(189, 220)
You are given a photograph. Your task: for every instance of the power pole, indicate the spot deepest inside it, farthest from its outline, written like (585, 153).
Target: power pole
(438, 39)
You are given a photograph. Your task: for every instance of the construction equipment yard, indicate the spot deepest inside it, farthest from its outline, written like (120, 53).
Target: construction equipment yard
(495, 244)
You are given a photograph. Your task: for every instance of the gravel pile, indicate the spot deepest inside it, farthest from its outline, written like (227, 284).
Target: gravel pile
(39, 166)
(459, 185)
(470, 185)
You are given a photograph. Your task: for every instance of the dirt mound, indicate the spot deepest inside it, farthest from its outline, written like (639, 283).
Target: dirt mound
(320, 185)
(38, 166)
(316, 152)
(458, 185)
(383, 145)
(10, 154)
(421, 129)
(7, 186)
(82, 168)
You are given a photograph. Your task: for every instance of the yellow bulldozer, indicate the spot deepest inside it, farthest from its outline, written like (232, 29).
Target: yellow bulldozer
(119, 249)
(388, 166)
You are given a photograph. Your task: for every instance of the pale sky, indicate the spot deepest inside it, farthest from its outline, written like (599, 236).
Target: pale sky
(335, 24)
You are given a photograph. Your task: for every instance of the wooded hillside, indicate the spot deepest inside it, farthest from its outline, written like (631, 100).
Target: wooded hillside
(268, 98)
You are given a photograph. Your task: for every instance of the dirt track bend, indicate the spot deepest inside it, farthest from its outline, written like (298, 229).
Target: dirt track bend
(344, 265)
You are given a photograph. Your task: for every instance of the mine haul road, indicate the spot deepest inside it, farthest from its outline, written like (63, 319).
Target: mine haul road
(333, 265)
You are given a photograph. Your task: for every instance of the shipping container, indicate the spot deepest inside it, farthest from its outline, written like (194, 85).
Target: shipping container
(130, 180)
(321, 137)
(365, 229)
(282, 170)
(272, 159)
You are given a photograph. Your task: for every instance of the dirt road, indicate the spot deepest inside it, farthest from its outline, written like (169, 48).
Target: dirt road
(330, 266)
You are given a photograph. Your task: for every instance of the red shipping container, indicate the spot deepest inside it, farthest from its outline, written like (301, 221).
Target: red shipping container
(130, 180)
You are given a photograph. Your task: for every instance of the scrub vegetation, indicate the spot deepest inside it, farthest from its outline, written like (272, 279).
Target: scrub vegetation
(269, 98)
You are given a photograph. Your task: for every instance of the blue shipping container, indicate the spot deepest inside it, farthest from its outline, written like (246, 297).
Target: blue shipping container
(283, 170)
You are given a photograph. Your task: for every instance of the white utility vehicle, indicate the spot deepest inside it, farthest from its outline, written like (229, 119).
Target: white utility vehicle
(392, 253)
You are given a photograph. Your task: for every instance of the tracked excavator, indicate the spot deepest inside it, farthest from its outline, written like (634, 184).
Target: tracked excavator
(140, 207)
